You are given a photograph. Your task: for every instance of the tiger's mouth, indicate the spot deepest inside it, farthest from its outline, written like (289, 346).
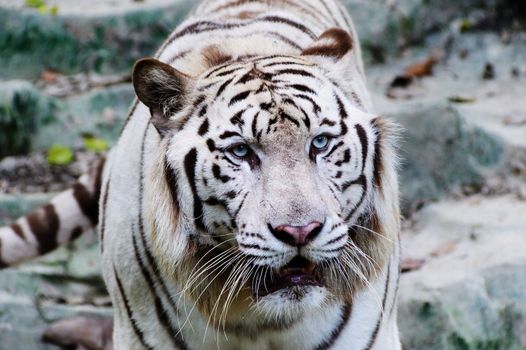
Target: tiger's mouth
(299, 272)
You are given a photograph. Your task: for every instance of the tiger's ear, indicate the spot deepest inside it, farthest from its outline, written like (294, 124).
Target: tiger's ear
(334, 44)
(337, 53)
(161, 88)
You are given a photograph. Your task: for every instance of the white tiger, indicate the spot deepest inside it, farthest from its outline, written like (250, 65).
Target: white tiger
(252, 199)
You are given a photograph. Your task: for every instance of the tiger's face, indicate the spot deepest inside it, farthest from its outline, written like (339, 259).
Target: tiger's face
(273, 171)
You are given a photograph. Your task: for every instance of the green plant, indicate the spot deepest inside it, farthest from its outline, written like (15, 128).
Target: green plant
(42, 7)
(17, 121)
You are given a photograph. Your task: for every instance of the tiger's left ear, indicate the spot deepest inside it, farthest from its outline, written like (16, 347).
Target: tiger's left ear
(337, 53)
(334, 44)
(161, 88)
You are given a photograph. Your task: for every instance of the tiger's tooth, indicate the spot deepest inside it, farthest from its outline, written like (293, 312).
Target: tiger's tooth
(311, 267)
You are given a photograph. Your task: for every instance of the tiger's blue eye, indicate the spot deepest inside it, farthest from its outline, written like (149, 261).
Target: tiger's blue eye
(320, 142)
(240, 150)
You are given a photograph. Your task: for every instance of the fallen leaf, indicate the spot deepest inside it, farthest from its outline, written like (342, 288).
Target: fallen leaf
(461, 99)
(465, 25)
(410, 264)
(53, 10)
(59, 155)
(422, 69)
(402, 81)
(514, 120)
(489, 72)
(416, 70)
(444, 249)
(34, 3)
(48, 76)
(95, 144)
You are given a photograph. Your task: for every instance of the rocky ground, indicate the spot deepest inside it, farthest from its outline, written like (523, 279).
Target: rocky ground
(452, 74)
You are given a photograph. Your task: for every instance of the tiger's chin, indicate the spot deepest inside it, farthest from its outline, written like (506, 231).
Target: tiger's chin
(291, 303)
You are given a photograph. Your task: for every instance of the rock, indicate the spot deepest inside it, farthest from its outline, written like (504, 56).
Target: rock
(85, 114)
(471, 297)
(447, 146)
(89, 332)
(59, 285)
(385, 27)
(441, 152)
(22, 324)
(14, 206)
(32, 121)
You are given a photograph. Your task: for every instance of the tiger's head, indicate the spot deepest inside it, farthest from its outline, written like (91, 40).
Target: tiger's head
(274, 191)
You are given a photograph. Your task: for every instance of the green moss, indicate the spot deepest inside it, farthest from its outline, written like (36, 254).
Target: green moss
(22, 111)
(504, 338)
(32, 42)
(426, 310)
(457, 342)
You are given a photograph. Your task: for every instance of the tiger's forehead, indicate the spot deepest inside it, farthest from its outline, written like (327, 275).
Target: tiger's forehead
(268, 95)
(268, 71)
(263, 64)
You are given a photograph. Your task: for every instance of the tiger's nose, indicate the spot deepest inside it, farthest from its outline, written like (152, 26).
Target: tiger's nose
(296, 235)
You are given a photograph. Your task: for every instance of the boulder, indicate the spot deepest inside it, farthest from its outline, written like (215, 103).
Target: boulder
(470, 291)
(100, 112)
(440, 152)
(22, 323)
(60, 285)
(458, 128)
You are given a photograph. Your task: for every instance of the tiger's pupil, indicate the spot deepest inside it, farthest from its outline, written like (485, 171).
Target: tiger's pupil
(320, 142)
(240, 151)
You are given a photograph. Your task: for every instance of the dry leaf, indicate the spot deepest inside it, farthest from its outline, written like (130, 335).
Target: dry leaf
(414, 71)
(514, 120)
(489, 72)
(422, 69)
(48, 76)
(410, 264)
(461, 99)
(444, 249)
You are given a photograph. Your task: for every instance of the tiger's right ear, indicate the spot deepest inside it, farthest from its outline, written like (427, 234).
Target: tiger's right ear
(161, 88)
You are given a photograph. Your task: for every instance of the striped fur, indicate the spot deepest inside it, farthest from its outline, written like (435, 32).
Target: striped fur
(188, 226)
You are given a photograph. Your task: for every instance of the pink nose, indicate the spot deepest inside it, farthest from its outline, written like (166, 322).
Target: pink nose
(297, 235)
